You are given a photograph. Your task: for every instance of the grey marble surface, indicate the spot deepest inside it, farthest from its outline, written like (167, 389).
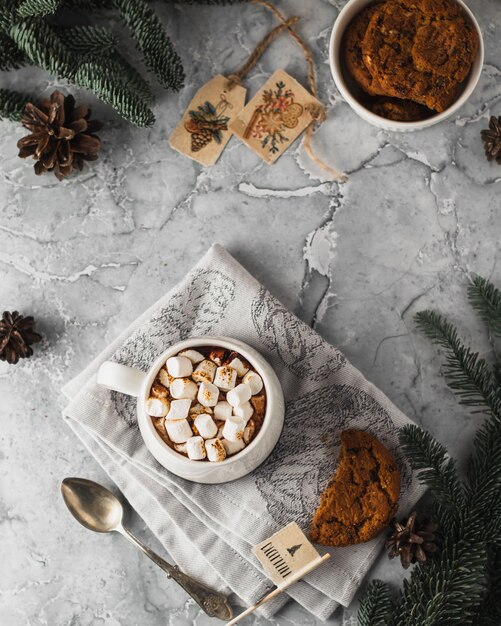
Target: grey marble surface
(419, 214)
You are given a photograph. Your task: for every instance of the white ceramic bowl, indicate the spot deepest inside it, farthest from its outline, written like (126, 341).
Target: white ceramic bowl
(137, 383)
(352, 8)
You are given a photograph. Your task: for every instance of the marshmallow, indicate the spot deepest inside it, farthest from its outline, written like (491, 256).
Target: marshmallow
(157, 407)
(240, 367)
(179, 410)
(244, 411)
(225, 378)
(193, 355)
(159, 391)
(183, 388)
(206, 426)
(181, 448)
(178, 431)
(254, 381)
(232, 447)
(249, 431)
(196, 409)
(222, 410)
(220, 432)
(239, 395)
(234, 428)
(208, 394)
(165, 378)
(195, 447)
(215, 450)
(179, 366)
(204, 371)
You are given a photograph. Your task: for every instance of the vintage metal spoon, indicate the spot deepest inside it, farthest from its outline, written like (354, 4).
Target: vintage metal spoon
(96, 508)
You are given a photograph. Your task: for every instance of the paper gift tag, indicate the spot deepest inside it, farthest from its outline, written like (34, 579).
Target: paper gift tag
(287, 554)
(203, 131)
(275, 117)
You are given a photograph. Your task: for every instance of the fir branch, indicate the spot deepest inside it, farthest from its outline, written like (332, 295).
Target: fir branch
(448, 590)
(461, 584)
(430, 460)
(128, 104)
(490, 611)
(157, 50)
(486, 300)
(496, 375)
(35, 8)
(466, 374)
(88, 5)
(11, 58)
(484, 466)
(12, 104)
(87, 40)
(447, 522)
(7, 15)
(42, 46)
(99, 45)
(493, 521)
(375, 606)
(129, 77)
(64, 51)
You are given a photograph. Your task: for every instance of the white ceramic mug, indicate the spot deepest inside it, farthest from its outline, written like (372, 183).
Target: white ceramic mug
(348, 12)
(134, 382)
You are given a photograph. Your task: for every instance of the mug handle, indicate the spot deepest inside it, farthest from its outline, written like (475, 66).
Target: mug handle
(122, 378)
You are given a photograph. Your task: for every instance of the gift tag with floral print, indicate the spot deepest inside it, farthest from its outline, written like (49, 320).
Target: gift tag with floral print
(275, 117)
(203, 131)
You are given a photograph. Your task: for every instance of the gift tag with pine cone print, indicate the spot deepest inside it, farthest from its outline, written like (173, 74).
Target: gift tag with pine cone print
(275, 117)
(203, 131)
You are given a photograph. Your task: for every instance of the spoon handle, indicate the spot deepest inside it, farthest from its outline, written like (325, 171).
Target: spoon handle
(212, 602)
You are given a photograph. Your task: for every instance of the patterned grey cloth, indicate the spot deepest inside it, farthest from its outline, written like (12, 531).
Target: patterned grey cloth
(209, 529)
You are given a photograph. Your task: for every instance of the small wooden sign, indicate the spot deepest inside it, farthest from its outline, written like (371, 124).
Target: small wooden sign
(286, 557)
(203, 131)
(275, 117)
(286, 553)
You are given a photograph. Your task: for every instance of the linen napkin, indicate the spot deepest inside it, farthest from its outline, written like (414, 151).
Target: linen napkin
(209, 530)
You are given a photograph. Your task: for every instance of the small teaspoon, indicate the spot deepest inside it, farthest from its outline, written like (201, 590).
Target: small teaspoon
(96, 508)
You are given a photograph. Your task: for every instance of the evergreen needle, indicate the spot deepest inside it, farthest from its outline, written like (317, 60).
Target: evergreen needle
(461, 584)
(88, 55)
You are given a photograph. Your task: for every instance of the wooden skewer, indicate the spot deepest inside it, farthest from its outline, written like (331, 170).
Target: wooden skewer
(278, 590)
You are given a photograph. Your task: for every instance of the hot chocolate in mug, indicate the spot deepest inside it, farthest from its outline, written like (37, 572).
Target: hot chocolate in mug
(137, 383)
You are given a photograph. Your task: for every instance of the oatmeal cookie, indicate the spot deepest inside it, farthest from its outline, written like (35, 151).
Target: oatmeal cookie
(353, 51)
(400, 110)
(446, 46)
(362, 496)
(420, 50)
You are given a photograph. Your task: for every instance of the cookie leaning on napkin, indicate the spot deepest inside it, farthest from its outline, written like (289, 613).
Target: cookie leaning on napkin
(209, 530)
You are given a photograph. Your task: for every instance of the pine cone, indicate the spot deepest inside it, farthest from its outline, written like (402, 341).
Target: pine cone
(412, 542)
(16, 336)
(62, 136)
(201, 139)
(492, 139)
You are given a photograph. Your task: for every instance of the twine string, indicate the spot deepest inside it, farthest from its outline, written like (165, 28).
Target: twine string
(298, 39)
(236, 77)
(316, 111)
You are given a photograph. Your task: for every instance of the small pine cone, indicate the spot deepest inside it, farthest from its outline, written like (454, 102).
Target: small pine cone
(17, 333)
(411, 541)
(492, 139)
(200, 139)
(62, 136)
